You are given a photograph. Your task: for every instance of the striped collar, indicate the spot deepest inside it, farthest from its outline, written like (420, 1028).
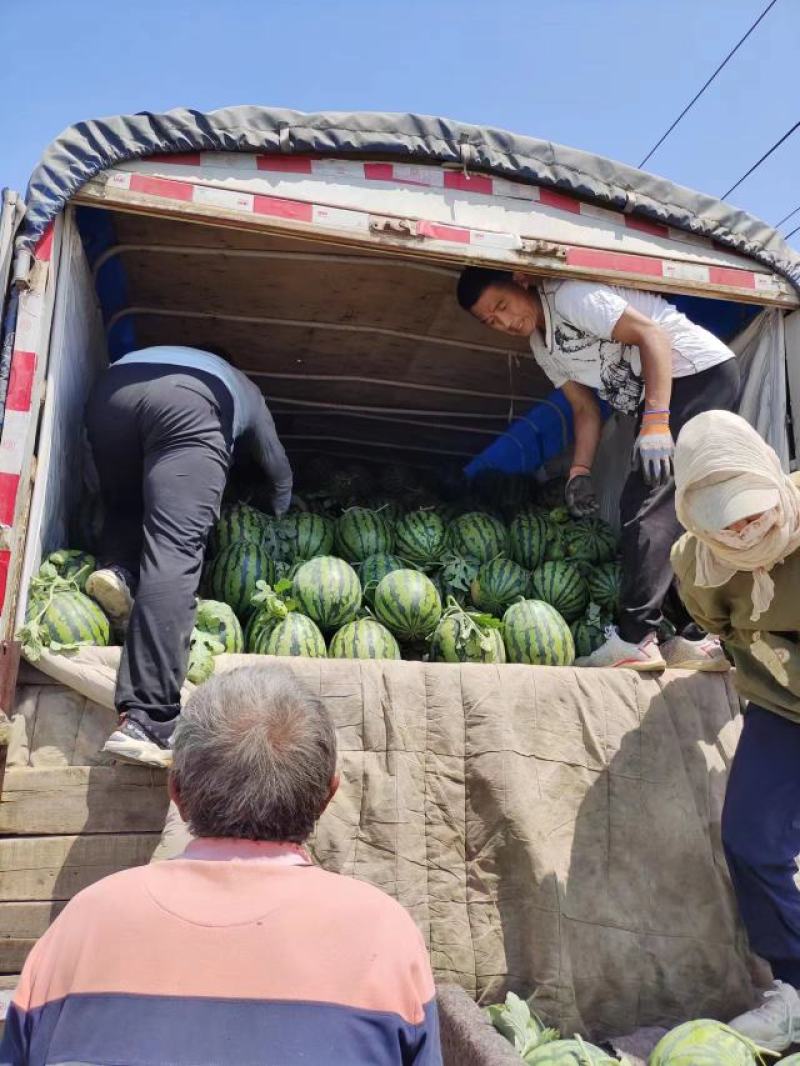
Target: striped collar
(279, 853)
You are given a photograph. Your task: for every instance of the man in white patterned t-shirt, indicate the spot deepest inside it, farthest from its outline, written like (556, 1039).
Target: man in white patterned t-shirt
(648, 360)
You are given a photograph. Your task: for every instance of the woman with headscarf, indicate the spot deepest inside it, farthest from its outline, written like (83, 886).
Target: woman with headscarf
(738, 568)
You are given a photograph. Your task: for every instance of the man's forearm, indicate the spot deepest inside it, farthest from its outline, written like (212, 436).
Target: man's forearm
(656, 355)
(588, 426)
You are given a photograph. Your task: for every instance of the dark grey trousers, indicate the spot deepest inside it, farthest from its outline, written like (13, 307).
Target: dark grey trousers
(649, 524)
(161, 437)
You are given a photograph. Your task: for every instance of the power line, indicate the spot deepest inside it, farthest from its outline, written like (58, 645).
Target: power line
(758, 163)
(695, 98)
(787, 217)
(788, 235)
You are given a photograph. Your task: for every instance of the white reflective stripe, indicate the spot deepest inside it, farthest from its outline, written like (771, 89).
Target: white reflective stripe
(12, 442)
(338, 218)
(227, 198)
(29, 321)
(486, 239)
(685, 271)
(120, 179)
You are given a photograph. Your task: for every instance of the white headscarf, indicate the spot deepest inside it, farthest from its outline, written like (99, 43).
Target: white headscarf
(724, 471)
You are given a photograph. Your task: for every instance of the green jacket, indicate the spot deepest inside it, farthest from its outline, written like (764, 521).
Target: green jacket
(725, 611)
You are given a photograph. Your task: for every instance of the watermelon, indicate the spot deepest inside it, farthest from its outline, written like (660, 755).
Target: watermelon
(421, 537)
(561, 585)
(791, 1060)
(219, 621)
(498, 583)
(590, 540)
(327, 589)
(407, 602)
(480, 535)
(363, 639)
(294, 635)
(589, 632)
(528, 538)
(386, 507)
(256, 632)
(235, 571)
(373, 569)
(461, 637)
(70, 618)
(705, 1041)
(236, 523)
(72, 565)
(604, 585)
(569, 1053)
(361, 533)
(534, 632)
(454, 579)
(306, 535)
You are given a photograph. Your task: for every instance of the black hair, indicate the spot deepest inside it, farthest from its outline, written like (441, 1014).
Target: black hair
(475, 280)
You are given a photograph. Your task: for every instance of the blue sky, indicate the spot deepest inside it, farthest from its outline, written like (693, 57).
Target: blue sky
(605, 75)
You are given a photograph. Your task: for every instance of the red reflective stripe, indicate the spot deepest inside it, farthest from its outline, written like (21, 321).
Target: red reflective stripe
(9, 486)
(740, 279)
(379, 171)
(44, 246)
(655, 229)
(183, 159)
(551, 198)
(294, 164)
(273, 205)
(20, 381)
(628, 264)
(456, 179)
(5, 560)
(174, 190)
(443, 233)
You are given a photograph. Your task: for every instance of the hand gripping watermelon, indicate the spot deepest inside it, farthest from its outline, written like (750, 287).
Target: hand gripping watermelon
(234, 572)
(219, 621)
(498, 584)
(480, 535)
(561, 585)
(327, 589)
(372, 571)
(295, 635)
(361, 533)
(421, 538)
(534, 632)
(363, 639)
(408, 604)
(464, 637)
(705, 1041)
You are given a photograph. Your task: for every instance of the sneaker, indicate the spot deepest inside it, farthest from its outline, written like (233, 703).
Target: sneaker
(774, 1025)
(147, 745)
(111, 587)
(644, 657)
(706, 654)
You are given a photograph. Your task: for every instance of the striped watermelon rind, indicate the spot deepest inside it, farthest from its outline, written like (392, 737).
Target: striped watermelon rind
(363, 639)
(589, 632)
(603, 586)
(257, 631)
(704, 1040)
(569, 1053)
(479, 535)
(590, 540)
(408, 604)
(234, 572)
(498, 584)
(295, 635)
(421, 538)
(561, 585)
(236, 523)
(306, 535)
(459, 638)
(72, 565)
(219, 620)
(528, 539)
(361, 532)
(327, 589)
(373, 569)
(535, 633)
(72, 619)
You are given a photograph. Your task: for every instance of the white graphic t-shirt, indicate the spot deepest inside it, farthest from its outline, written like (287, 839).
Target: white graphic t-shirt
(580, 317)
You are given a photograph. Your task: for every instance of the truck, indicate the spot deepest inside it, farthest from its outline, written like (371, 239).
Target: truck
(548, 829)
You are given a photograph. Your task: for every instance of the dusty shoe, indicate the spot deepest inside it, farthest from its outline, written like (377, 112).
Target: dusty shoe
(644, 657)
(112, 588)
(148, 745)
(706, 654)
(774, 1024)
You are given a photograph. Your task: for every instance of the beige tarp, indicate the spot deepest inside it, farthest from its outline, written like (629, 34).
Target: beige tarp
(549, 829)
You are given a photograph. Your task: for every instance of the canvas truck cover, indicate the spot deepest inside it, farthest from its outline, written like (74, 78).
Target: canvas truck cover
(89, 147)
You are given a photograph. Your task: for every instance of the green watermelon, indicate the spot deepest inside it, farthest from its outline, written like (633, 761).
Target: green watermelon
(480, 535)
(373, 569)
(528, 538)
(237, 523)
(327, 589)
(306, 535)
(72, 565)
(791, 1060)
(589, 632)
(70, 619)
(361, 533)
(498, 583)
(407, 602)
(386, 507)
(351, 482)
(461, 637)
(561, 585)
(363, 639)
(257, 631)
(705, 1041)
(219, 621)
(235, 571)
(604, 585)
(590, 540)
(421, 537)
(569, 1053)
(294, 635)
(534, 632)
(454, 579)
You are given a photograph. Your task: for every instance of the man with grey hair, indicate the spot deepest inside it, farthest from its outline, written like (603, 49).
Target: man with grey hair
(240, 950)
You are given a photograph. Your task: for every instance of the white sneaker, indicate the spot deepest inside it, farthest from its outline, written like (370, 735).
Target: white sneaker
(616, 652)
(706, 654)
(774, 1025)
(110, 588)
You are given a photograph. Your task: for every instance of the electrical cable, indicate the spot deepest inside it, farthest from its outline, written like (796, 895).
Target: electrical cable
(787, 217)
(758, 163)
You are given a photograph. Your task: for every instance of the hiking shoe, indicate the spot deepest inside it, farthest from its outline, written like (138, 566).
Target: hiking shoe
(111, 588)
(706, 654)
(774, 1024)
(616, 652)
(147, 745)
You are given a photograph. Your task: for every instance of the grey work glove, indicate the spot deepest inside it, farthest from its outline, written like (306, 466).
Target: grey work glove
(653, 452)
(580, 498)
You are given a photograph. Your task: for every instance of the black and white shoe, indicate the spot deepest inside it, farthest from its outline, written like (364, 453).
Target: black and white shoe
(112, 588)
(147, 745)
